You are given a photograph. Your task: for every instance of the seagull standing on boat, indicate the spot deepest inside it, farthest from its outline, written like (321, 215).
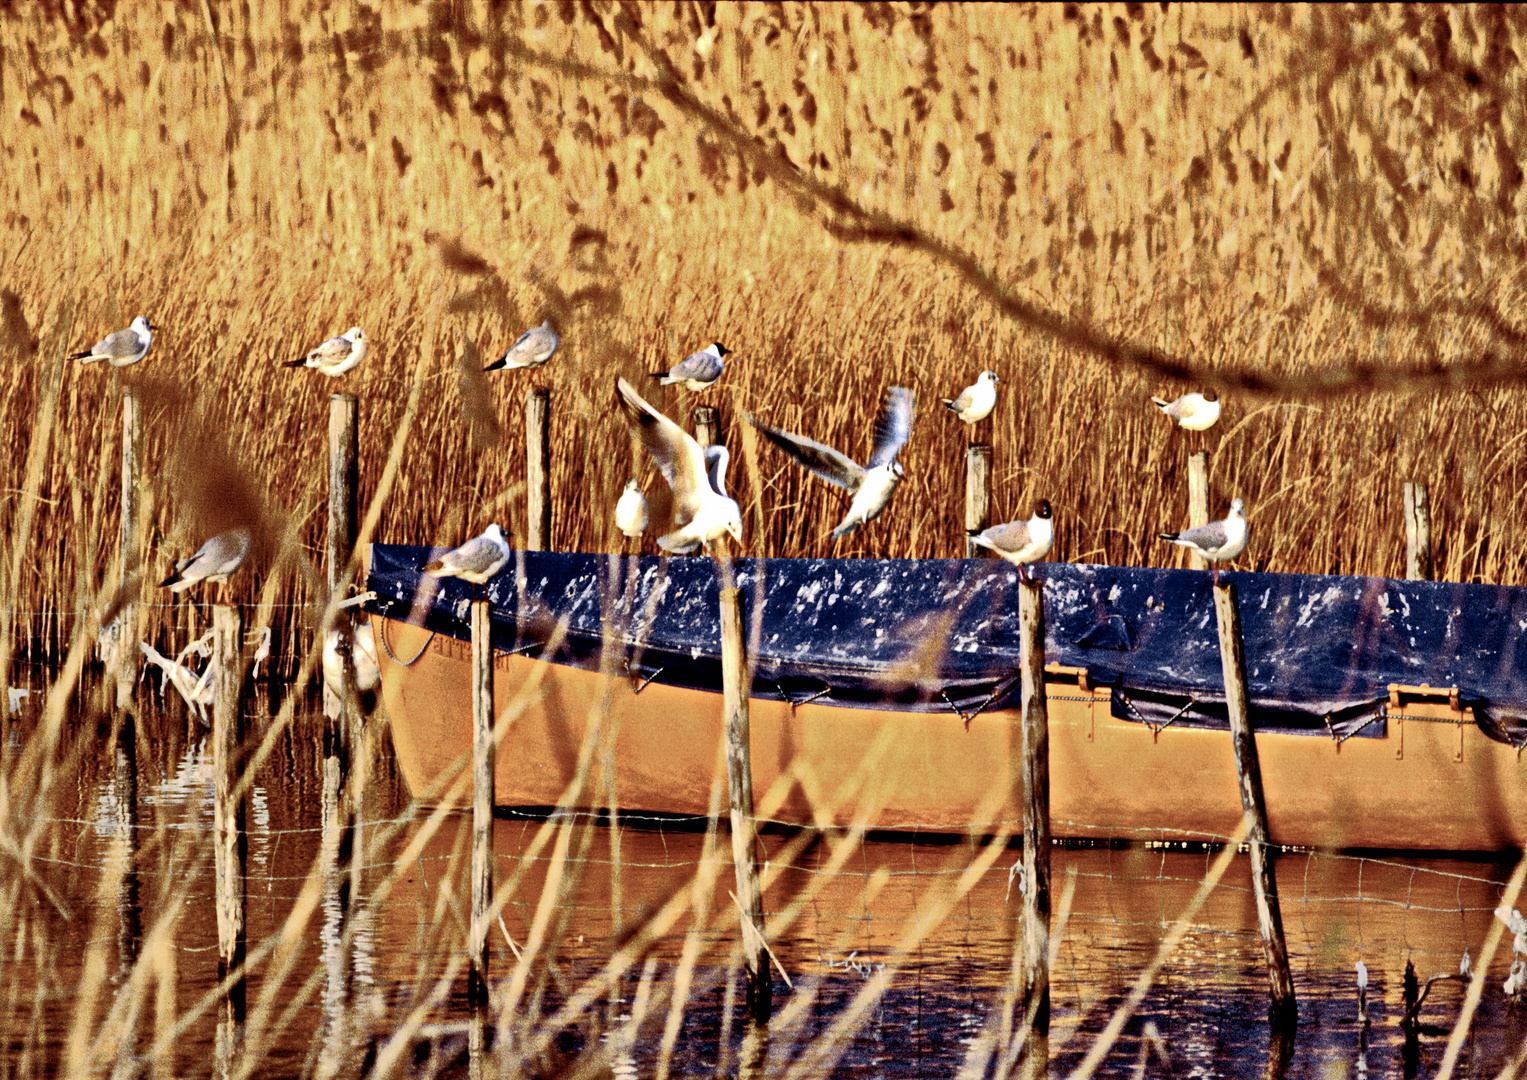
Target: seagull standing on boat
(475, 561)
(977, 400)
(697, 370)
(1021, 542)
(631, 516)
(871, 485)
(1193, 412)
(530, 350)
(214, 562)
(702, 510)
(337, 355)
(121, 347)
(1218, 540)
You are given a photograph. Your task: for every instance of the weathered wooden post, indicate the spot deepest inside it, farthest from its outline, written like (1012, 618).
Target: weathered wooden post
(1035, 1000)
(537, 471)
(124, 646)
(739, 775)
(344, 479)
(1283, 1013)
(977, 494)
(1198, 500)
(231, 842)
(1418, 533)
(707, 426)
(483, 756)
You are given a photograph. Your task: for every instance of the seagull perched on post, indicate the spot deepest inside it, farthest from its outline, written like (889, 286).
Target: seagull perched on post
(977, 400)
(477, 560)
(214, 562)
(1218, 540)
(1193, 412)
(631, 516)
(871, 485)
(698, 370)
(702, 510)
(1020, 542)
(337, 355)
(530, 350)
(121, 347)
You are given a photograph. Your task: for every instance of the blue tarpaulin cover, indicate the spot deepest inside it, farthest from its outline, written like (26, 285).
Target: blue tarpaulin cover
(942, 634)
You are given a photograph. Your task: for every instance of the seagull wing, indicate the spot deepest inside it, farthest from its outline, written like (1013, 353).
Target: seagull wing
(678, 457)
(1012, 536)
(476, 556)
(331, 351)
(118, 344)
(716, 458)
(894, 427)
(700, 365)
(823, 461)
(1204, 537)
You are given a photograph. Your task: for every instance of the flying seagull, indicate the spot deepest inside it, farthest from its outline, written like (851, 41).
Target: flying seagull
(1218, 540)
(337, 355)
(871, 485)
(697, 370)
(530, 350)
(477, 560)
(702, 511)
(1193, 412)
(214, 562)
(631, 516)
(121, 347)
(977, 400)
(1020, 542)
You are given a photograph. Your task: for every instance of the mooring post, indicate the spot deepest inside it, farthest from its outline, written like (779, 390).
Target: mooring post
(124, 647)
(231, 843)
(977, 494)
(537, 470)
(1198, 500)
(1283, 1012)
(1035, 1000)
(739, 775)
(482, 833)
(707, 425)
(1418, 533)
(344, 479)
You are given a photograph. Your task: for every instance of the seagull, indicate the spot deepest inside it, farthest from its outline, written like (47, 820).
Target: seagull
(121, 347)
(1020, 542)
(977, 400)
(214, 562)
(1218, 540)
(631, 515)
(871, 485)
(697, 370)
(477, 560)
(1193, 412)
(702, 511)
(530, 350)
(363, 649)
(337, 355)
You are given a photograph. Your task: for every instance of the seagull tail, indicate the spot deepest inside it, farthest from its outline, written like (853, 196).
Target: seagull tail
(950, 403)
(85, 357)
(1170, 538)
(170, 581)
(844, 529)
(659, 375)
(495, 365)
(433, 568)
(295, 363)
(1156, 401)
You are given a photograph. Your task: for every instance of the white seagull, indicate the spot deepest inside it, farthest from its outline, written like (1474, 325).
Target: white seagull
(977, 400)
(1193, 412)
(698, 370)
(121, 347)
(631, 516)
(362, 649)
(530, 350)
(214, 562)
(1218, 540)
(477, 560)
(1021, 542)
(871, 485)
(702, 511)
(337, 355)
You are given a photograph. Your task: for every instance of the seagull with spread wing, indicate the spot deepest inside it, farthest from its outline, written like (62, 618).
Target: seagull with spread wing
(702, 510)
(121, 347)
(337, 355)
(871, 485)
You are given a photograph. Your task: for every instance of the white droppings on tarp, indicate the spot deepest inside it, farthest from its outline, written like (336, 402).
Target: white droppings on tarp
(807, 594)
(1330, 594)
(1404, 604)
(1114, 593)
(880, 589)
(1266, 597)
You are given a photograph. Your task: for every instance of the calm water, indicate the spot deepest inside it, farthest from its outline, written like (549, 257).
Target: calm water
(100, 909)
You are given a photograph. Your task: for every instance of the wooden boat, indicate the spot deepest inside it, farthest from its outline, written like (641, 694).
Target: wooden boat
(1389, 714)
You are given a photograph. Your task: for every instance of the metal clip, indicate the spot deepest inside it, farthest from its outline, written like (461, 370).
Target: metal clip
(637, 688)
(803, 701)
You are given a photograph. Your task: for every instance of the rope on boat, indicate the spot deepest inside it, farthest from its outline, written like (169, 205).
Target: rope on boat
(387, 648)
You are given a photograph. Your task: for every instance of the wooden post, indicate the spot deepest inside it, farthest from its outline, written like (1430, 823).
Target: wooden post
(537, 471)
(707, 426)
(739, 775)
(1418, 533)
(1035, 999)
(1198, 500)
(482, 833)
(125, 630)
(1283, 1013)
(344, 478)
(977, 494)
(231, 843)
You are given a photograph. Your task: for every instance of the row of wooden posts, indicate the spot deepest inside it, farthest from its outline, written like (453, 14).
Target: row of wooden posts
(1032, 1007)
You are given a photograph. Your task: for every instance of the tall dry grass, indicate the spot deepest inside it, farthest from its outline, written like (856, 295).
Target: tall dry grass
(1243, 195)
